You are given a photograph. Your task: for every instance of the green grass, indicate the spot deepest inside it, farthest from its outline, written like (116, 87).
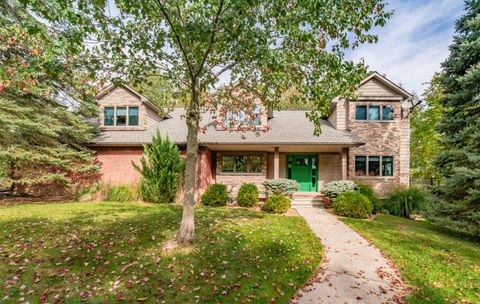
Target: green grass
(440, 267)
(111, 252)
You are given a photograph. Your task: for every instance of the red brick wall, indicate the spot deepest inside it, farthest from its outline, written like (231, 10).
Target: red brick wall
(116, 164)
(204, 170)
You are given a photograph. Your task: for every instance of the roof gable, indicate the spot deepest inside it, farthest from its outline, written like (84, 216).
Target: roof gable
(380, 86)
(111, 88)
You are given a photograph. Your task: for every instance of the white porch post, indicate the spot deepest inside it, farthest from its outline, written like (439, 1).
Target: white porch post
(276, 164)
(344, 163)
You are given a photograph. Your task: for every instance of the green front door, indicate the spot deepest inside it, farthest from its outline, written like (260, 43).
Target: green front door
(303, 169)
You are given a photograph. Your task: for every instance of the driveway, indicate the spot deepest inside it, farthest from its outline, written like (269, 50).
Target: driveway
(353, 271)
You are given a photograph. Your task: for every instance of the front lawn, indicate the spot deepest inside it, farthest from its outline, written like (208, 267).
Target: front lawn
(111, 252)
(440, 267)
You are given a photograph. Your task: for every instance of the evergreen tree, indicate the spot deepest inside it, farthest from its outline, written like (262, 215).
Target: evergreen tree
(160, 170)
(460, 128)
(460, 163)
(44, 100)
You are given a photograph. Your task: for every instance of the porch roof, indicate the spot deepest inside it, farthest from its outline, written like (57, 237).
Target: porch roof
(286, 127)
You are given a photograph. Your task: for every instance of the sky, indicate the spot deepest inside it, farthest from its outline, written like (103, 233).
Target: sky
(413, 43)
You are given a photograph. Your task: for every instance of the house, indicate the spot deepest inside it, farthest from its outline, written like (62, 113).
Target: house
(365, 139)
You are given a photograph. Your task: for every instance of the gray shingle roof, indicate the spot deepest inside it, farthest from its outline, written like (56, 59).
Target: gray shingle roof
(286, 127)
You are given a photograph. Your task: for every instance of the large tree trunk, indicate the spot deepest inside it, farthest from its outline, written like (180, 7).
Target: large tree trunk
(186, 232)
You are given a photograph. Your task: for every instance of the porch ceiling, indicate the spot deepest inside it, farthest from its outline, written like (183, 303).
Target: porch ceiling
(312, 148)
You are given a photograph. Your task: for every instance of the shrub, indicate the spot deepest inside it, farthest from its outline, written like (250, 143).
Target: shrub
(404, 201)
(247, 195)
(352, 204)
(369, 192)
(121, 193)
(277, 203)
(160, 171)
(280, 186)
(215, 195)
(458, 218)
(335, 188)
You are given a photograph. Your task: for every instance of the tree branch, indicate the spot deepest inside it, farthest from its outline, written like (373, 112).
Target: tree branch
(212, 38)
(177, 37)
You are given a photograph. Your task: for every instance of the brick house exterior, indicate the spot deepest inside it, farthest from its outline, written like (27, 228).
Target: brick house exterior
(373, 150)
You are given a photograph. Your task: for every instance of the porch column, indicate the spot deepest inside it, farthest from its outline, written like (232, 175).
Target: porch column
(344, 163)
(276, 164)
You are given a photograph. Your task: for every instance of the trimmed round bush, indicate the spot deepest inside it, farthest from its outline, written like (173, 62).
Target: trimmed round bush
(335, 188)
(277, 203)
(369, 192)
(404, 201)
(352, 204)
(281, 186)
(247, 195)
(216, 195)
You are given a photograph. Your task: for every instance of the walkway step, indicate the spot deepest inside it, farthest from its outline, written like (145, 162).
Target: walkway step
(307, 202)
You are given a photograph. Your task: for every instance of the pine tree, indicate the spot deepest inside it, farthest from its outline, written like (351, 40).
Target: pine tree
(44, 100)
(460, 128)
(160, 171)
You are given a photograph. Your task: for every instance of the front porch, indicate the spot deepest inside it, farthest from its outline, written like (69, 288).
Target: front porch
(310, 165)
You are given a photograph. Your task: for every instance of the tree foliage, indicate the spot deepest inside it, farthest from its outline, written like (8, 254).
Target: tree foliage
(44, 97)
(267, 46)
(160, 170)
(425, 141)
(460, 161)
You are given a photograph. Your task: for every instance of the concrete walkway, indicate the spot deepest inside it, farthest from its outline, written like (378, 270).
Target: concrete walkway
(353, 271)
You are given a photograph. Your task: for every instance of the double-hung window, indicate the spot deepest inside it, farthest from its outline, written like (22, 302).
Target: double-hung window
(120, 116)
(373, 165)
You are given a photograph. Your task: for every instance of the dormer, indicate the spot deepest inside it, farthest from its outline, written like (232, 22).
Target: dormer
(123, 108)
(249, 114)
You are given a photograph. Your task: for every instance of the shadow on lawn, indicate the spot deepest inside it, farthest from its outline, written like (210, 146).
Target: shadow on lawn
(87, 258)
(439, 263)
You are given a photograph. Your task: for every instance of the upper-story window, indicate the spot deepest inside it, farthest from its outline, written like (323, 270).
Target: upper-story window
(117, 116)
(240, 118)
(374, 113)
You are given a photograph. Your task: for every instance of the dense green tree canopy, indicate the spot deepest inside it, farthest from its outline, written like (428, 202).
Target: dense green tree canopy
(267, 46)
(460, 127)
(44, 97)
(425, 143)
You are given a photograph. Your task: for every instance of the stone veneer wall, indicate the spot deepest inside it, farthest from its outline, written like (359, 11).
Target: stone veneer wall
(383, 138)
(235, 180)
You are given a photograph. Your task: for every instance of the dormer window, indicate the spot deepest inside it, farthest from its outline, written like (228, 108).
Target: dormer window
(117, 116)
(240, 119)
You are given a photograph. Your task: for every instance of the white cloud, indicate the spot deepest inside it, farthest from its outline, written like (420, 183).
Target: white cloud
(414, 42)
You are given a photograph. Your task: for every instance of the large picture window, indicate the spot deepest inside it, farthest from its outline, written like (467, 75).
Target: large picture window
(240, 163)
(374, 112)
(120, 116)
(373, 165)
